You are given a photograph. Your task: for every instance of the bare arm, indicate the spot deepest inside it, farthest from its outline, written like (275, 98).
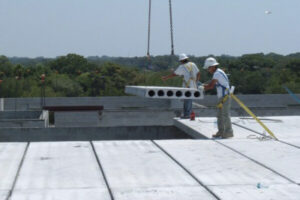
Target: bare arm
(168, 76)
(210, 85)
(198, 76)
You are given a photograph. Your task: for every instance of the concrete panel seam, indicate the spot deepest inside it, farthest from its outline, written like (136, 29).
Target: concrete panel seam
(186, 170)
(102, 171)
(18, 172)
(263, 135)
(255, 161)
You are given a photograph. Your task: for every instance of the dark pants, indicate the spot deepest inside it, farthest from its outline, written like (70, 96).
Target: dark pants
(187, 107)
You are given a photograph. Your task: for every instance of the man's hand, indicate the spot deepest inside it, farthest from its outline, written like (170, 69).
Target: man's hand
(168, 77)
(201, 87)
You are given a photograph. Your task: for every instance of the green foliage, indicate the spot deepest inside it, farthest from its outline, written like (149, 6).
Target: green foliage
(74, 75)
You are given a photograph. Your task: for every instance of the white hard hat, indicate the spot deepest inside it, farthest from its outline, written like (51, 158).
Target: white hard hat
(182, 57)
(209, 62)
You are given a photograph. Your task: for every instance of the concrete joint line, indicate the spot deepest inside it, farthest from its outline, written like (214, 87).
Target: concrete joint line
(18, 172)
(102, 171)
(186, 170)
(244, 127)
(259, 163)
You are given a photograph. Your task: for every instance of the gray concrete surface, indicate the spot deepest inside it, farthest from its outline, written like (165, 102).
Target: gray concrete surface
(91, 133)
(253, 100)
(107, 102)
(149, 170)
(153, 117)
(20, 114)
(23, 119)
(77, 119)
(22, 123)
(261, 100)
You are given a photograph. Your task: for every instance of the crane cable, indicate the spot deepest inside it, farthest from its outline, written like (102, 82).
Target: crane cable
(149, 29)
(171, 28)
(149, 22)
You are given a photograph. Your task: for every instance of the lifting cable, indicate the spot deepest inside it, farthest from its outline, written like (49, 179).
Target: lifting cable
(171, 28)
(149, 22)
(149, 29)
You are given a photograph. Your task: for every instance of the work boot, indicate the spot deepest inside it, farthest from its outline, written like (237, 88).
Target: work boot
(217, 135)
(185, 117)
(227, 135)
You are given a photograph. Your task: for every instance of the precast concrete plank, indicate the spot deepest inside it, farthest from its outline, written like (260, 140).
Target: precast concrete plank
(284, 127)
(293, 141)
(282, 158)
(157, 92)
(64, 194)
(207, 126)
(214, 164)
(60, 165)
(10, 159)
(139, 164)
(3, 194)
(198, 128)
(163, 193)
(265, 192)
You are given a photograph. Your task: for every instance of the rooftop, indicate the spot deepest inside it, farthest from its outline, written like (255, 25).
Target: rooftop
(146, 165)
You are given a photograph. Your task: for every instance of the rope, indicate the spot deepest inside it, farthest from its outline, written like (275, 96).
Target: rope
(149, 23)
(171, 28)
(263, 137)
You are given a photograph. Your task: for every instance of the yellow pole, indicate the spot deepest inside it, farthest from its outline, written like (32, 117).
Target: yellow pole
(252, 114)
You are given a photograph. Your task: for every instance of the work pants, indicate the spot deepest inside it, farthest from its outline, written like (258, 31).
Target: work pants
(187, 107)
(224, 121)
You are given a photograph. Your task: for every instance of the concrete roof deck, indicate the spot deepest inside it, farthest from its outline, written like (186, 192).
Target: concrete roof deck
(244, 167)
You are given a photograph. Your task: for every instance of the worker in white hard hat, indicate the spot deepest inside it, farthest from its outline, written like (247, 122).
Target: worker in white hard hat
(221, 82)
(191, 75)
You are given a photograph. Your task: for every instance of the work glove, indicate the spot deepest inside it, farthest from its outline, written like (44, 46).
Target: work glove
(201, 87)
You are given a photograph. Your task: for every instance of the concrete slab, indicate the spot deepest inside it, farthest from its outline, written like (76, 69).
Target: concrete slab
(250, 192)
(140, 170)
(60, 165)
(205, 127)
(3, 194)
(133, 164)
(282, 158)
(65, 194)
(214, 164)
(199, 128)
(163, 193)
(22, 123)
(293, 141)
(284, 127)
(77, 119)
(10, 158)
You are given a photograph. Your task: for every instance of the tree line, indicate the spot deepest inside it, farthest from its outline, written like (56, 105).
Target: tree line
(74, 75)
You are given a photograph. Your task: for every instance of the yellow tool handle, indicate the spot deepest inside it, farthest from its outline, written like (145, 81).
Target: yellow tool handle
(251, 113)
(220, 105)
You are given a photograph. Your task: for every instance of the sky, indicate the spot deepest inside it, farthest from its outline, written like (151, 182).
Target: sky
(50, 28)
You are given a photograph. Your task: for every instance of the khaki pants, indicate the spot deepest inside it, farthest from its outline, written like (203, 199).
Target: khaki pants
(224, 121)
